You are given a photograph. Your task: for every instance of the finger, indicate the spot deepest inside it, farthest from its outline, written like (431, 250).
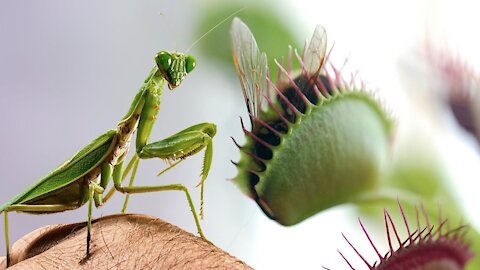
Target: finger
(122, 242)
(39, 241)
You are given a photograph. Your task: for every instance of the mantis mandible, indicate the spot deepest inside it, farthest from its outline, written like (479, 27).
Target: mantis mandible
(86, 175)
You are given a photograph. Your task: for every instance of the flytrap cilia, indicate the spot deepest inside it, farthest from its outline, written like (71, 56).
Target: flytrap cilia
(317, 142)
(86, 175)
(428, 245)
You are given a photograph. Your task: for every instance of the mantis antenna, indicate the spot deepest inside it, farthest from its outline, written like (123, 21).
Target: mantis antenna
(213, 28)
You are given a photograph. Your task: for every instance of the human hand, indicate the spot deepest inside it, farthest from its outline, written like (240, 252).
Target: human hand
(130, 241)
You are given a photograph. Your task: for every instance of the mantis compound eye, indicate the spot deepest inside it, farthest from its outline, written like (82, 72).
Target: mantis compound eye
(163, 60)
(189, 63)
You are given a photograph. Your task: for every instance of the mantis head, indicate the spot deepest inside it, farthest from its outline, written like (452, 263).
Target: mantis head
(174, 67)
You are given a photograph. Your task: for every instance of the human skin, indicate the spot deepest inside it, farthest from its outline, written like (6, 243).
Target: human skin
(128, 241)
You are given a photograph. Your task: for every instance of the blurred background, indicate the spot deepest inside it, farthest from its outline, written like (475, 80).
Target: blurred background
(69, 71)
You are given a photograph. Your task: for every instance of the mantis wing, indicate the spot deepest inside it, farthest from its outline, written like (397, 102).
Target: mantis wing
(251, 65)
(314, 56)
(77, 166)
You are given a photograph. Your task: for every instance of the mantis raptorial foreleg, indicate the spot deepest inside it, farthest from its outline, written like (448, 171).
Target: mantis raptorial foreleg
(178, 146)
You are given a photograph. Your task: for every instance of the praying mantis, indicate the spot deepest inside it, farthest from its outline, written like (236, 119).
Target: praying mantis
(84, 178)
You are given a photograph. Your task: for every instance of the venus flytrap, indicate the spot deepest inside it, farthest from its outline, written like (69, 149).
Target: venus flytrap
(318, 142)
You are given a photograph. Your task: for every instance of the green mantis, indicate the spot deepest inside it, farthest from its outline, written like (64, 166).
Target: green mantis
(85, 176)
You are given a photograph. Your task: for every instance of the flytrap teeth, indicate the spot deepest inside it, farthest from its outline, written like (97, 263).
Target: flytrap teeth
(267, 126)
(307, 89)
(235, 142)
(288, 105)
(260, 162)
(258, 139)
(279, 114)
(293, 84)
